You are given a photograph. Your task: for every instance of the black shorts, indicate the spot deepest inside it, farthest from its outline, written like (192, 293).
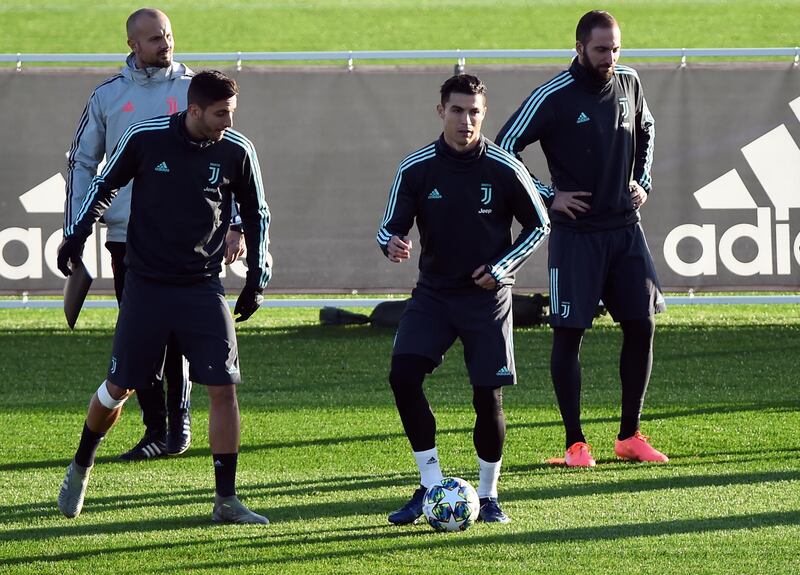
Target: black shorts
(433, 320)
(612, 265)
(198, 317)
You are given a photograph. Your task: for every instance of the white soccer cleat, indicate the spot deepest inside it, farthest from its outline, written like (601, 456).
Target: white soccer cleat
(231, 510)
(73, 490)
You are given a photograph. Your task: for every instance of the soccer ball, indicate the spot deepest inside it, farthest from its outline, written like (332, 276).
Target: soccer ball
(451, 505)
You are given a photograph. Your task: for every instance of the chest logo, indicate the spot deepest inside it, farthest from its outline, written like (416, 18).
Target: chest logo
(582, 118)
(624, 112)
(128, 107)
(435, 195)
(172, 105)
(624, 108)
(214, 168)
(162, 167)
(486, 189)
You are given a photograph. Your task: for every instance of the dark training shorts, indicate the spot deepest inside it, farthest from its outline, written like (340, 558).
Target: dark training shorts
(198, 316)
(612, 265)
(482, 320)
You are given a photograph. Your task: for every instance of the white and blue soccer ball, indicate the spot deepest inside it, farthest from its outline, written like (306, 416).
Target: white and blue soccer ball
(451, 505)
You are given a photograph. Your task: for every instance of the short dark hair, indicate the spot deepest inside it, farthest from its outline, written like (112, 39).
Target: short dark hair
(210, 86)
(133, 19)
(462, 84)
(590, 21)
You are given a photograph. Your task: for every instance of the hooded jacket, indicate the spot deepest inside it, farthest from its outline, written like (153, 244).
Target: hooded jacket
(130, 96)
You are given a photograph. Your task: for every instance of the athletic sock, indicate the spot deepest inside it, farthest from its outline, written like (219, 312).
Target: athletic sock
(635, 365)
(488, 475)
(87, 447)
(225, 473)
(565, 369)
(429, 468)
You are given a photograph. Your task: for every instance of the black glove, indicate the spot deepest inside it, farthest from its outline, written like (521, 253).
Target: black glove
(70, 249)
(248, 302)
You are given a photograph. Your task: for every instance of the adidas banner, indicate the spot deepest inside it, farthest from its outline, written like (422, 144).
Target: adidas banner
(724, 212)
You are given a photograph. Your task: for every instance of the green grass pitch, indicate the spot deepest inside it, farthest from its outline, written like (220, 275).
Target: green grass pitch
(324, 457)
(309, 25)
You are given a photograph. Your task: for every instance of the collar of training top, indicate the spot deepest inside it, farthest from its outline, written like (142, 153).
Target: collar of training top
(462, 157)
(587, 79)
(179, 123)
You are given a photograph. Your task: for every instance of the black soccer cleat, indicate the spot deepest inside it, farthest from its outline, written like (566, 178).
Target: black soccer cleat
(152, 445)
(179, 433)
(490, 511)
(411, 511)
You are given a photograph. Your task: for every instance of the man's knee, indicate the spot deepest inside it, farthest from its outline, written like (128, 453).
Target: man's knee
(112, 396)
(487, 401)
(639, 329)
(222, 394)
(409, 371)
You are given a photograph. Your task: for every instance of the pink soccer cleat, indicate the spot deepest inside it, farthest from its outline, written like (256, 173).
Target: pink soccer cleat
(578, 455)
(636, 448)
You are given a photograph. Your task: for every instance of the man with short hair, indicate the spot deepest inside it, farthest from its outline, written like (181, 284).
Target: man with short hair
(192, 164)
(150, 84)
(597, 134)
(463, 192)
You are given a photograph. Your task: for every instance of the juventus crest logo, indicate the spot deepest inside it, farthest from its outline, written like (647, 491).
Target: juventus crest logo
(487, 194)
(214, 173)
(624, 110)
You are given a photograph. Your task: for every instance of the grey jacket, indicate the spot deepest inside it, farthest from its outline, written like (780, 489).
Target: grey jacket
(130, 96)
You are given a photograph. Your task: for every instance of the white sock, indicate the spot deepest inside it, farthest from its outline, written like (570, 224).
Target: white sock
(489, 473)
(429, 470)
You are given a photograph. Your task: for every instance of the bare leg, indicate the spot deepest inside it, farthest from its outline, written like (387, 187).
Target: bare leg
(223, 419)
(100, 419)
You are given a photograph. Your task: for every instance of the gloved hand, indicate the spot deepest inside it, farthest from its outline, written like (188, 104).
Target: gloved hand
(71, 249)
(248, 303)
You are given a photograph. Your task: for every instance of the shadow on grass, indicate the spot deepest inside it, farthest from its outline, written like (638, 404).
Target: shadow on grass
(428, 542)
(315, 510)
(399, 435)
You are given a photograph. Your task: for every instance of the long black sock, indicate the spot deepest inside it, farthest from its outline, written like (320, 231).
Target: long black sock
(489, 433)
(87, 447)
(565, 369)
(406, 377)
(635, 364)
(225, 473)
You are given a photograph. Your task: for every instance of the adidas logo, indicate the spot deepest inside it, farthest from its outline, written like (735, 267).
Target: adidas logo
(435, 195)
(128, 107)
(162, 167)
(217, 463)
(774, 159)
(503, 371)
(431, 461)
(582, 118)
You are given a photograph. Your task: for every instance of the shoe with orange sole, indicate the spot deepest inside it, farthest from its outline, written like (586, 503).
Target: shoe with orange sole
(636, 448)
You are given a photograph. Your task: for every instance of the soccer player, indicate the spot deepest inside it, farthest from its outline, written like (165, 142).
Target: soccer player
(463, 191)
(186, 169)
(597, 134)
(150, 84)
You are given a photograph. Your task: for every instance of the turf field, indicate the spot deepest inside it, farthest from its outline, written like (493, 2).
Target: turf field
(325, 458)
(294, 25)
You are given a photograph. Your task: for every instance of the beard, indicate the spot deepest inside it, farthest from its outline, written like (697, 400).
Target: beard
(600, 74)
(161, 60)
